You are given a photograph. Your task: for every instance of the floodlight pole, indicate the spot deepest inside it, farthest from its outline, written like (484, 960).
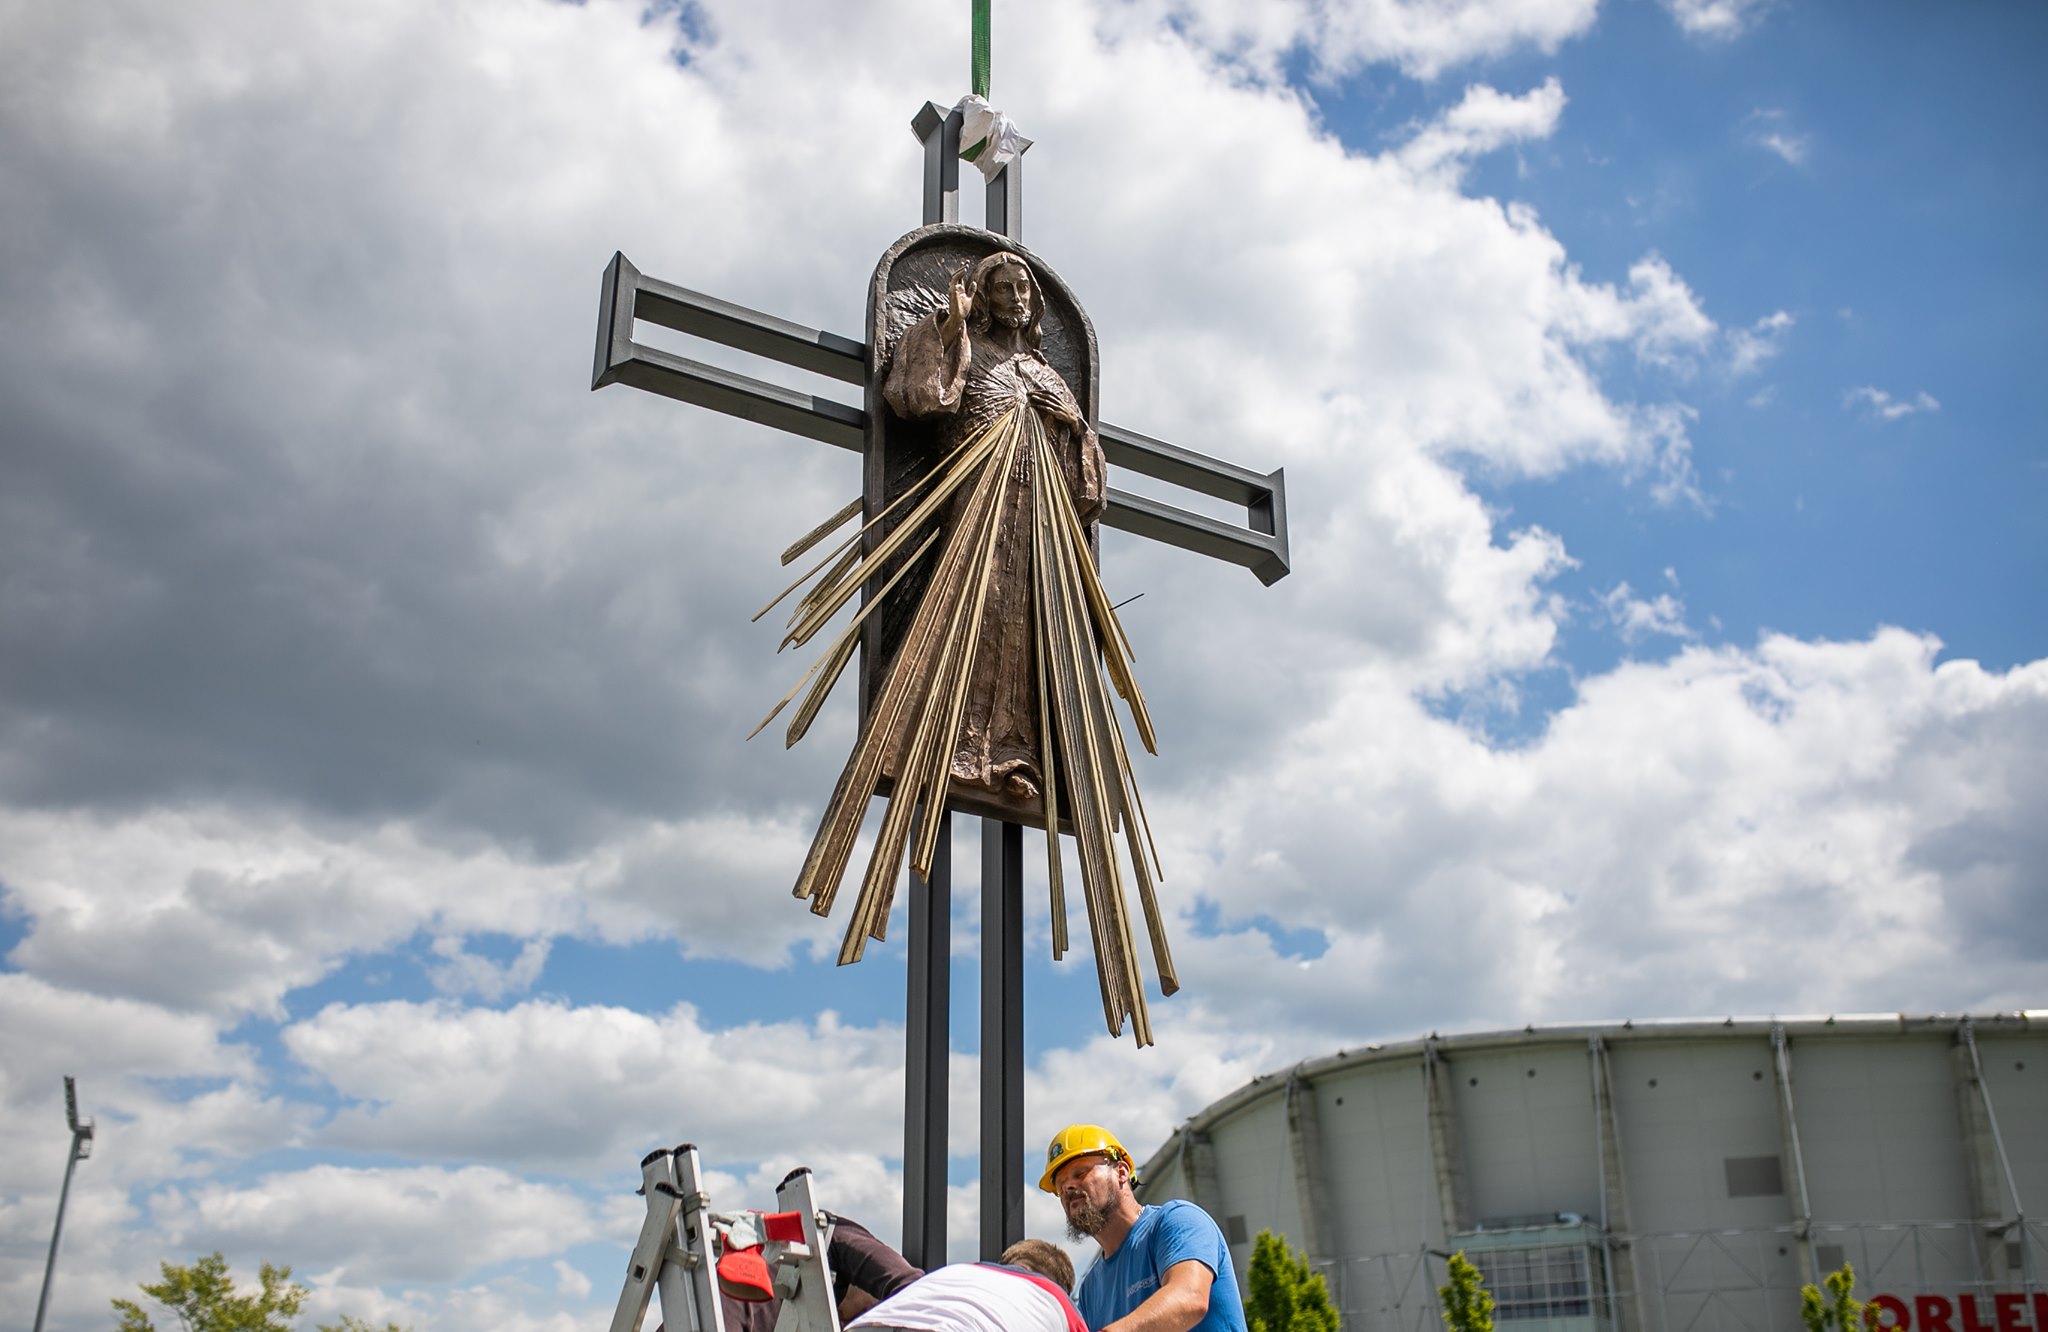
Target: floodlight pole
(81, 1147)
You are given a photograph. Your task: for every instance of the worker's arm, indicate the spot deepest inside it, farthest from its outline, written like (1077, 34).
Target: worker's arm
(862, 1262)
(1179, 1303)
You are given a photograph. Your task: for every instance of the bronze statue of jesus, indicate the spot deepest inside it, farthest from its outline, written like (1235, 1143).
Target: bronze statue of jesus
(964, 367)
(991, 647)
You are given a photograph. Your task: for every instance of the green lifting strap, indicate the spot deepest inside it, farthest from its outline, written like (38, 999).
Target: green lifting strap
(978, 75)
(980, 72)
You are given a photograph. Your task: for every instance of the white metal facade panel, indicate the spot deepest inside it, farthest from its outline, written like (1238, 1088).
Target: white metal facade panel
(1169, 1180)
(1526, 1119)
(1375, 1143)
(2016, 1071)
(1255, 1168)
(1878, 1123)
(1685, 1108)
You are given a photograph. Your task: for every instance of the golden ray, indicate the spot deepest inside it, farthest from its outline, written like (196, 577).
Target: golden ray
(820, 532)
(835, 660)
(1081, 655)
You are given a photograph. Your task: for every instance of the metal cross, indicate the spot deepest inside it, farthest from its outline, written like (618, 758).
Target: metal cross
(1259, 544)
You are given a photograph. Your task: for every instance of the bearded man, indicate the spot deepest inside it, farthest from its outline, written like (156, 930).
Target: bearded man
(1164, 1268)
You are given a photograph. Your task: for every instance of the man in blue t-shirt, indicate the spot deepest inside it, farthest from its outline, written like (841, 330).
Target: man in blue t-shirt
(1163, 1268)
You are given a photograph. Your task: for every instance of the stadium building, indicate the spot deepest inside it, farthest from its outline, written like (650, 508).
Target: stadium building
(1650, 1176)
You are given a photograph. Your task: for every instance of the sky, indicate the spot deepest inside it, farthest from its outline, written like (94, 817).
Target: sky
(380, 846)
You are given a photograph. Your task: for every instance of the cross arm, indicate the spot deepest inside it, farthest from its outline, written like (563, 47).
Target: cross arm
(628, 295)
(1264, 498)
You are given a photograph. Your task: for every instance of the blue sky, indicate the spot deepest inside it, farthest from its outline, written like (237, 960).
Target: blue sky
(1860, 170)
(378, 841)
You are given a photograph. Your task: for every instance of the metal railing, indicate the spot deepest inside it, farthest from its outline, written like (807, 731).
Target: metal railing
(1731, 1280)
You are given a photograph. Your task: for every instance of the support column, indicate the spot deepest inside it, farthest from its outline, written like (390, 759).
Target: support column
(1002, 1036)
(1446, 1159)
(1205, 1189)
(1625, 1301)
(1006, 197)
(1305, 1138)
(926, 1009)
(939, 131)
(1794, 1163)
(1991, 1180)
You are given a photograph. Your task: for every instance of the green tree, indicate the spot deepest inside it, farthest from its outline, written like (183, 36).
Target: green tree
(1838, 1310)
(204, 1299)
(1467, 1306)
(1283, 1293)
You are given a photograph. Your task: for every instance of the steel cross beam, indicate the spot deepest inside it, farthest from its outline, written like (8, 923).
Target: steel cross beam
(628, 295)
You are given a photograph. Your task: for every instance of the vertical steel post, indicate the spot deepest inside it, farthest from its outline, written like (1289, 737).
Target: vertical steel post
(81, 1147)
(938, 129)
(1005, 197)
(1002, 1036)
(927, 1005)
(926, 1008)
(1002, 931)
(1002, 888)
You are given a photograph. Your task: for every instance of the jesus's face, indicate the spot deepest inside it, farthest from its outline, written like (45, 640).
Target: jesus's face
(1009, 296)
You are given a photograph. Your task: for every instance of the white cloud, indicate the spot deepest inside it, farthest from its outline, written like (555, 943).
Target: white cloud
(1791, 147)
(569, 1281)
(1663, 847)
(1879, 405)
(468, 702)
(550, 1085)
(1484, 120)
(464, 972)
(403, 1224)
(1635, 617)
(1717, 20)
(1768, 129)
(1749, 348)
(49, 1032)
(1422, 37)
(226, 910)
(1666, 423)
(1665, 318)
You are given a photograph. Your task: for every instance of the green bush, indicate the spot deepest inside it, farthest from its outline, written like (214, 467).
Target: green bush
(1467, 1306)
(1283, 1293)
(1838, 1310)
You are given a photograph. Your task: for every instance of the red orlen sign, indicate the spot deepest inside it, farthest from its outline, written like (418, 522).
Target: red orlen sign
(1960, 1313)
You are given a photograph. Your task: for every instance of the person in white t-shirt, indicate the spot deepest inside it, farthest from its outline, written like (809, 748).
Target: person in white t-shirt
(1026, 1292)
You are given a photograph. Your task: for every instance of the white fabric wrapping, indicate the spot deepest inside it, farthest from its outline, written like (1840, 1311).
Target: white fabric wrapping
(982, 123)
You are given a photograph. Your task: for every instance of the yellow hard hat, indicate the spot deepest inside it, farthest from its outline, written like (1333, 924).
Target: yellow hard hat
(1082, 1140)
